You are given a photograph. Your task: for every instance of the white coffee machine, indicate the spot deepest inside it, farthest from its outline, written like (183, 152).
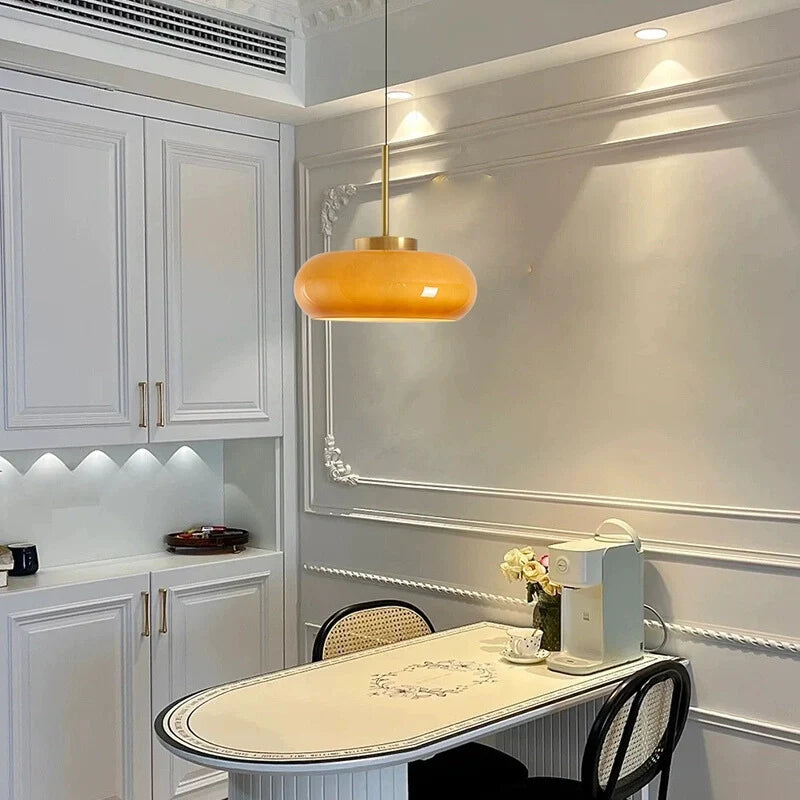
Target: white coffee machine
(602, 613)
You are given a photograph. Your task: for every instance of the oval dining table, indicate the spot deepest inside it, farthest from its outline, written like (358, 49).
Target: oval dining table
(346, 729)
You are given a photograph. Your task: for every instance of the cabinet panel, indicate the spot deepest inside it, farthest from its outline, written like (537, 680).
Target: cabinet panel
(223, 622)
(74, 329)
(77, 693)
(213, 283)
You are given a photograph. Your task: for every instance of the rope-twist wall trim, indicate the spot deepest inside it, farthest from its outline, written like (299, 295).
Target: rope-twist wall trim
(749, 641)
(407, 583)
(730, 637)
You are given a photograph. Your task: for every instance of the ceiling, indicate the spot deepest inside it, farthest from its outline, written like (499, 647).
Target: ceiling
(337, 53)
(440, 45)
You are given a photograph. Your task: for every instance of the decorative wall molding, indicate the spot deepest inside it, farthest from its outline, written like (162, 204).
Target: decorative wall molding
(747, 726)
(333, 201)
(661, 549)
(726, 636)
(342, 473)
(310, 631)
(338, 471)
(722, 636)
(458, 592)
(654, 99)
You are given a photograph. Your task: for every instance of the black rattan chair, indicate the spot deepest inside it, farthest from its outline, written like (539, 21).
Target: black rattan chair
(631, 741)
(466, 768)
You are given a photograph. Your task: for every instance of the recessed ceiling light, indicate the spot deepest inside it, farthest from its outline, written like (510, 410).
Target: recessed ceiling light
(651, 34)
(399, 94)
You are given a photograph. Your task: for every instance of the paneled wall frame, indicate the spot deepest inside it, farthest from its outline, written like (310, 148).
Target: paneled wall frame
(749, 104)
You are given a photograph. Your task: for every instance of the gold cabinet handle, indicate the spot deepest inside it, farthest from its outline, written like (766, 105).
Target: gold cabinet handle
(146, 603)
(142, 404)
(163, 595)
(160, 389)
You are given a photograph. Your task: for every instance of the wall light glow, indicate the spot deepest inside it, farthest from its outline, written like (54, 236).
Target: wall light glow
(48, 463)
(184, 455)
(97, 457)
(414, 125)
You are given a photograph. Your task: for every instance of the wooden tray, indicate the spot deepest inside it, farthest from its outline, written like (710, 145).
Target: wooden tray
(212, 539)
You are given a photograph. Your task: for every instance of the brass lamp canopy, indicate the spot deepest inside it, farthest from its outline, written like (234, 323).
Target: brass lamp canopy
(385, 243)
(385, 278)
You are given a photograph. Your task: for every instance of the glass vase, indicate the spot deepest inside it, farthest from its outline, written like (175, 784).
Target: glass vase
(547, 616)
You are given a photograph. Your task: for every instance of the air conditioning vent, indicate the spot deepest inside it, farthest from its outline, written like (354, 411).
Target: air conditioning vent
(175, 26)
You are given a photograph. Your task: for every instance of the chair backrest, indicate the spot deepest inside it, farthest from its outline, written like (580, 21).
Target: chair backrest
(636, 732)
(366, 625)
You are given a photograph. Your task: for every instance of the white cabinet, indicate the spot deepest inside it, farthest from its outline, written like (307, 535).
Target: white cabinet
(213, 624)
(85, 300)
(74, 328)
(75, 678)
(87, 662)
(213, 266)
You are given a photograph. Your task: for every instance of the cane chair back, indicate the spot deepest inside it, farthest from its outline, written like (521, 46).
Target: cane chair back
(635, 733)
(367, 625)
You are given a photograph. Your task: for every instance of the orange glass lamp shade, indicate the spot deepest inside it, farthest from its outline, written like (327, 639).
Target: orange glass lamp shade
(385, 285)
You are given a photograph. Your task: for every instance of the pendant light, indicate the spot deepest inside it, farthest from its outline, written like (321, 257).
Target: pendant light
(385, 278)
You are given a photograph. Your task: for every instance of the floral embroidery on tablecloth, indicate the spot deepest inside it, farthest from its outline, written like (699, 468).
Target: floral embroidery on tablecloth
(420, 680)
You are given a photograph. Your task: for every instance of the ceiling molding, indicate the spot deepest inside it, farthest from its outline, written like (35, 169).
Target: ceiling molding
(309, 17)
(325, 16)
(281, 13)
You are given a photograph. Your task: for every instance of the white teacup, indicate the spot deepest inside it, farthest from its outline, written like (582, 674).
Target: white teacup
(524, 642)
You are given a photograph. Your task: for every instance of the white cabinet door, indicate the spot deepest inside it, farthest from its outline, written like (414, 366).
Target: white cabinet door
(211, 624)
(75, 693)
(213, 250)
(74, 347)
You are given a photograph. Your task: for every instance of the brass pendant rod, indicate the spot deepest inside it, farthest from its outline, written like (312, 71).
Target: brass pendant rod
(385, 187)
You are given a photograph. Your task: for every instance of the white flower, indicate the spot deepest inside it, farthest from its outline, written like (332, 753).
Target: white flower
(512, 572)
(534, 572)
(519, 556)
(549, 587)
(516, 561)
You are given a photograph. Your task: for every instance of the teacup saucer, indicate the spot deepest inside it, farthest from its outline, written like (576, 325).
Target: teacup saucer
(513, 658)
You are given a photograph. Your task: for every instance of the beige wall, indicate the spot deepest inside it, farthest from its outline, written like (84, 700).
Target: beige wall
(634, 224)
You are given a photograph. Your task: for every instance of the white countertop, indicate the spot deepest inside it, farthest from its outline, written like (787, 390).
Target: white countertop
(119, 567)
(376, 708)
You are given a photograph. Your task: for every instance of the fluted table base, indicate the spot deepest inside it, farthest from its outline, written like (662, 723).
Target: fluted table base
(388, 783)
